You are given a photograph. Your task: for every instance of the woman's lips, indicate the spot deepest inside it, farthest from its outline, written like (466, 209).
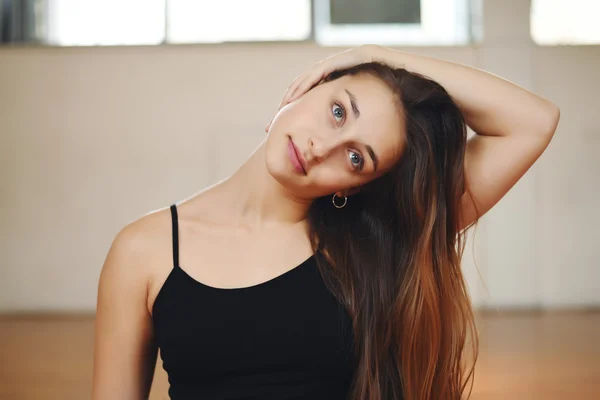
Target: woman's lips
(296, 157)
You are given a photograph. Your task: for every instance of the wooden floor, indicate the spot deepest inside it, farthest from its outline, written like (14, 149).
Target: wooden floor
(522, 356)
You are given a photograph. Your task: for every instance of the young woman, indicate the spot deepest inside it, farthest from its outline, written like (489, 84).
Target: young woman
(328, 265)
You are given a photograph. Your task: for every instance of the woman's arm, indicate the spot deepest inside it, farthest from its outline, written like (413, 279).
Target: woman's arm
(124, 350)
(492, 106)
(513, 126)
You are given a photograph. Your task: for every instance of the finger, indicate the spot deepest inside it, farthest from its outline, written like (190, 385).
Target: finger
(286, 98)
(291, 89)
(294, 93)
(317, 75)
(300, 87)
(308, 83)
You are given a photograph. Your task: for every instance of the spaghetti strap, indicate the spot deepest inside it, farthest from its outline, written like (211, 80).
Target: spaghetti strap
(196, 326)
(175, 233)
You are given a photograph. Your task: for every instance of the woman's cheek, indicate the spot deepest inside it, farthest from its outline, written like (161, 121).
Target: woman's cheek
(332, 179)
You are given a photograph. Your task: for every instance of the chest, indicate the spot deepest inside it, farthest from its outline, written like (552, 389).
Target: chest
(229, 259)
(291, 324)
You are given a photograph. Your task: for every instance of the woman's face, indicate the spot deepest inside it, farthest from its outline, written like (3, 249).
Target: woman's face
(335, 138)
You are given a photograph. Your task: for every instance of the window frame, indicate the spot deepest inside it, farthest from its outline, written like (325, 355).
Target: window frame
(432, 31)
(427, 33)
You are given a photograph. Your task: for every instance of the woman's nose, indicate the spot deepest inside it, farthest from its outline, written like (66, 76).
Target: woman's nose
(320, 148)
(317, 149)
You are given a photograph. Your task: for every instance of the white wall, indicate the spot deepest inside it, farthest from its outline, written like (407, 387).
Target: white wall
(92, 138)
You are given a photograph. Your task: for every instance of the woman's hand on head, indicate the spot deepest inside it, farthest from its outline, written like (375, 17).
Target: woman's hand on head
(345, 59)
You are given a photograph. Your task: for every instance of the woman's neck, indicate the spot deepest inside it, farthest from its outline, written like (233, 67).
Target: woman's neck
(254, 198)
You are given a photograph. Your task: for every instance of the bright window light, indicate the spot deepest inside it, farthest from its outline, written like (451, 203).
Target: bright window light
(193, 21)
(556, 22)
(106, 22)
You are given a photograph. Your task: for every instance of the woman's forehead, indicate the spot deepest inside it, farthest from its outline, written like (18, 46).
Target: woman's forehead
(372, 97)
(366, 84)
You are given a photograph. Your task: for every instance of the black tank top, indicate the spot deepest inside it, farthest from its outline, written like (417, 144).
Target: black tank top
(287, 338)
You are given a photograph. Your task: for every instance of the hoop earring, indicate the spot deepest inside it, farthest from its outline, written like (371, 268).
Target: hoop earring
(339, 205)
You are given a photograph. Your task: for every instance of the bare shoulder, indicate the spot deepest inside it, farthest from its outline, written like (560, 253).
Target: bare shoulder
(144, 247)
(139, 246)
(138, 239)
(124, 349)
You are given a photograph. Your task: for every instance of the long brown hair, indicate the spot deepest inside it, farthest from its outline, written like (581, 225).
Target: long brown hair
(393, 254)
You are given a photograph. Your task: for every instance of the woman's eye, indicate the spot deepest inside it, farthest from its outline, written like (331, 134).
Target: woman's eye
(356, 160)
(338, 112)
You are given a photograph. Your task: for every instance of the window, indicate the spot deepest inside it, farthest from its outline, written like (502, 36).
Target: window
(328, 22)
(392, 22)
(193, 21)
(556, 22)
(105, 22)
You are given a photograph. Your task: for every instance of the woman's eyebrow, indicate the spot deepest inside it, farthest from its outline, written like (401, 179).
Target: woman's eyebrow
(355, 109)
(373, 157)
